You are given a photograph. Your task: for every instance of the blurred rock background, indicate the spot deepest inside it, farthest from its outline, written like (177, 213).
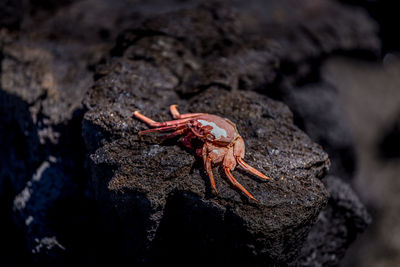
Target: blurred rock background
(370, 93)
(50, 48)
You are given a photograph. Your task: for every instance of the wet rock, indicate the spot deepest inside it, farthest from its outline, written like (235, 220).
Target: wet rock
(156, 195)
(338, 225)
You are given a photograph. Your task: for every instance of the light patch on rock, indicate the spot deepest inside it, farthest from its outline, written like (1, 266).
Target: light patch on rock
(28, 220)
(52, 159)
(23, 197)
(46, 243)
(38, 174)
(154, 150)
(48, 133)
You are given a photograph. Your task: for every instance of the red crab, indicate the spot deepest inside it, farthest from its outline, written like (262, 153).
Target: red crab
(222, 142)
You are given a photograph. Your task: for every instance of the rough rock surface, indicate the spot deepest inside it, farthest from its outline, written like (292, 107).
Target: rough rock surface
(150, 183)
(157, 194)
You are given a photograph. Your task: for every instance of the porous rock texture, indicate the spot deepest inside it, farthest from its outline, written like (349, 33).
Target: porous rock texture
(158, 189)
(154, 197)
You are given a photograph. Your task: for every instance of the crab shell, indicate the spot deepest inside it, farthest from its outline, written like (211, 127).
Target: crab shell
(222, 142)
(221, 138)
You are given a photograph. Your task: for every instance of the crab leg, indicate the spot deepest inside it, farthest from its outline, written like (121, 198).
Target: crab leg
(236, 183)
(207, 165)
(175, 113)
(176, 133)
(248, 168)
(163, 129)
(152, 123)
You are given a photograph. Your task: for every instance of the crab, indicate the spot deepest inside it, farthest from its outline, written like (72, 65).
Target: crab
(221, 142)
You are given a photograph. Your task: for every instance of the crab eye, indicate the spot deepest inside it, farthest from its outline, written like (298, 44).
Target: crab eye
(210, 137)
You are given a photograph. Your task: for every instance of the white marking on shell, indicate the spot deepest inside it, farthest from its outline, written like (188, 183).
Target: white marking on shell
(215, 151)
(216, 131)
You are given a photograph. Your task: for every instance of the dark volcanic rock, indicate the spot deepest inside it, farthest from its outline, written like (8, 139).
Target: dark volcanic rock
(207, 30)
(46, 68)
(317, 29)
(42, 159)
(150, 181)
(386, 15)
(300, 36)
(42, 156)
(319, 112)
(307, 32)
(156, 196)
(344, 218)
(216, 55)
(39, 96)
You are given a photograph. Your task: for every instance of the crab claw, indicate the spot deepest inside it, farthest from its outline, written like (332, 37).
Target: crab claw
(248, 168)
(237, 184)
